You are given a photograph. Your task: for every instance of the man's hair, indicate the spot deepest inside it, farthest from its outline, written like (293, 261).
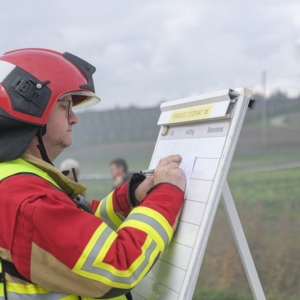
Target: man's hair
(120, 162)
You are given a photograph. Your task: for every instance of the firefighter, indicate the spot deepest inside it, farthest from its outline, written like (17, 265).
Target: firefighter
(54, 244)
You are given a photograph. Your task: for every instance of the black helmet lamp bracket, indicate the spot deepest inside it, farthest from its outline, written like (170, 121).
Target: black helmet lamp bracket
(27, 94)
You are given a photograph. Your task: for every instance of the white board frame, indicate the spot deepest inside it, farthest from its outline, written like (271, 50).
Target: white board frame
(223, 106)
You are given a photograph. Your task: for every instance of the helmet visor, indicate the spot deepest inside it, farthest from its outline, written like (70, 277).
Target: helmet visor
(83, 99)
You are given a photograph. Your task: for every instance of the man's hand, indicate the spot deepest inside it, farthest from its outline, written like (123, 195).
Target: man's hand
(167, 171)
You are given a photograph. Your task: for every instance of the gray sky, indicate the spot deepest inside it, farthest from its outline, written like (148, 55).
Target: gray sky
(146, 52)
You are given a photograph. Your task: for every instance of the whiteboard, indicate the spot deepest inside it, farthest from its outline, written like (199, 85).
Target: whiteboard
(208, 127)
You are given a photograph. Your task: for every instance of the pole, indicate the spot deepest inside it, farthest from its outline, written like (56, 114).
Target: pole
(242, 244)
(264, 111)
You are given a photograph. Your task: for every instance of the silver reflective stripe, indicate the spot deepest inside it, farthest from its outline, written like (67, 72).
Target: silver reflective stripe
(105, 217)
(88, 265)
(153, 223)
(98, 246)
(5, 69)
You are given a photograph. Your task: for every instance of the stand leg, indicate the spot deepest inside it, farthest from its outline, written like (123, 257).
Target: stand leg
(242, 244)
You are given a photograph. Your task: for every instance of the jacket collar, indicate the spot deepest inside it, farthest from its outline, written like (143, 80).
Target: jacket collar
(71, 188)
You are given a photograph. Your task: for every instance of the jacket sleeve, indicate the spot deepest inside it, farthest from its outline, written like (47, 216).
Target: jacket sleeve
(62, 248)
(114, 208)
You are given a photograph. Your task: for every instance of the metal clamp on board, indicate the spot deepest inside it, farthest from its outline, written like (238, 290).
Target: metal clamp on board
(233, 95)
(252, 104)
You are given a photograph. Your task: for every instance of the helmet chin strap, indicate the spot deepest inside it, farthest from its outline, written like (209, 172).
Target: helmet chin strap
(41, 131)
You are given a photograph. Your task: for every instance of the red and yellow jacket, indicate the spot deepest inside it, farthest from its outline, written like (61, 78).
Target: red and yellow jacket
(67, 252)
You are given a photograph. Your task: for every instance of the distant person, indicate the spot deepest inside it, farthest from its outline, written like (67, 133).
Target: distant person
(69, 164)
(119, 171)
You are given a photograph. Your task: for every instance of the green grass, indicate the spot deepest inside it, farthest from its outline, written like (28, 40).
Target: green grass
(213, 294)
(272, 189)
(240, 161)
(97, 189)
(210, 294)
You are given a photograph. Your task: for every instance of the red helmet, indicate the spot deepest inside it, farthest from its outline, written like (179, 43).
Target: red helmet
(31, 81)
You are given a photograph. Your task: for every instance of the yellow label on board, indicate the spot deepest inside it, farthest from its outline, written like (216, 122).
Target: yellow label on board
(195, 113)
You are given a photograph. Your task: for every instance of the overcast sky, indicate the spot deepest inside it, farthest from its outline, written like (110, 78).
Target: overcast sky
(146, 52)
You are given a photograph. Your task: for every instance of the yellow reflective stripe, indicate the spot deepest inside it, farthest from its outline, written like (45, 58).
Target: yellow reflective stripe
(159, 234)
(132, 268)
(1, 284)
(107, 213)
(148, 229)
(104, 245)
(34, 292)
(105, 248)
(71, 297)
(97, 212)
(126, 279)
(110, 210)
(152, 223)
(29, 289)
(19, 165)
(155, 215)
(123, 297)
(97, 238)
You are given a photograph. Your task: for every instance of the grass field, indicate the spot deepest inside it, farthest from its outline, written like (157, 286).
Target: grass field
(244, 160)
(273, 190)
(269, 208)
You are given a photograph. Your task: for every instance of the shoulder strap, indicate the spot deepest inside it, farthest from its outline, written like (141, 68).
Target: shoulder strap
(19, 165)
(10, 268)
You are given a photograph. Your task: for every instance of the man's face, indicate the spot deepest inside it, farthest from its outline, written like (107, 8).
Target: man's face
(59, 128)
(115, 171)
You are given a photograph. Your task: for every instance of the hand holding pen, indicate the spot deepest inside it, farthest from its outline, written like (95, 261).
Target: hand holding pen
(168, 170)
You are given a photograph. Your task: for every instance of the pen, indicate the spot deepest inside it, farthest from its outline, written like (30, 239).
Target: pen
(147, 172)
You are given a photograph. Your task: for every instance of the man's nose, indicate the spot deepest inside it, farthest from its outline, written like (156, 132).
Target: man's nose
(73, 118)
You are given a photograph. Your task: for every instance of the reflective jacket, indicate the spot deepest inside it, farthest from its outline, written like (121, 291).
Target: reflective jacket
(67, 252)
